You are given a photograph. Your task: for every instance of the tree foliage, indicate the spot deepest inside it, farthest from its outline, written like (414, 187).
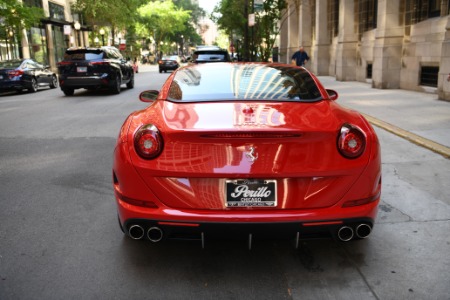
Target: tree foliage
(231, 16)
(162, 20)
(15, 16)
(114, 13)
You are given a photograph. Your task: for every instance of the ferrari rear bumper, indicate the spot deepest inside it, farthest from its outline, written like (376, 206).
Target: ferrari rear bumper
(156, 231)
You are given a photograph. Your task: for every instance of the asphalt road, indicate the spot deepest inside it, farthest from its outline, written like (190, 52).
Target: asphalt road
(59, 237)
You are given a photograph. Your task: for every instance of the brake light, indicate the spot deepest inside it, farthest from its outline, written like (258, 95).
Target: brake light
(15, 73)
(351, 141)
(99, 63)
(159, 61)
(64, 63)
(148, 142)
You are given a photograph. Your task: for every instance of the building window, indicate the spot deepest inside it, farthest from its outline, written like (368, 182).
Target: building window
(333, 17)
(369, 71)
(56, 11)
(368, 11)
(38, 45)
(419, 10)
(33, 3)
(429, 76)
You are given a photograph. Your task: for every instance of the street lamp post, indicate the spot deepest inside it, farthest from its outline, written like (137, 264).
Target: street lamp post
(77, 27)
(182, 45)
(102, 33)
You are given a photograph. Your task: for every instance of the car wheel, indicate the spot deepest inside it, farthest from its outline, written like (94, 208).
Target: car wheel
(34, 86)
(160, 71)
(130, 83)
(68, 92)
(54, 83)
(115, 89)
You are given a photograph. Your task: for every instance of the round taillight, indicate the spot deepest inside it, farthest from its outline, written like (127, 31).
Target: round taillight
(148, 141)
(351, 141)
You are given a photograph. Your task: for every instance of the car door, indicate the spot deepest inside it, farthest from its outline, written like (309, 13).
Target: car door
(39, 72)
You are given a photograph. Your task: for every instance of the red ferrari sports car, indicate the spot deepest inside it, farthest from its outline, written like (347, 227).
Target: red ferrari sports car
(246, 150)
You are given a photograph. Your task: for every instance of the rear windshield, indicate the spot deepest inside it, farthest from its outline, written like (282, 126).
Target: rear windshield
(211, 56)
(170, 57)
(226, 81)
(84, 55)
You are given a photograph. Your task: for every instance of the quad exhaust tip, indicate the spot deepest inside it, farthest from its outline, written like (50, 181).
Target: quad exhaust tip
(345, 233)
(363, 230)
(136, 232)
(155, 234)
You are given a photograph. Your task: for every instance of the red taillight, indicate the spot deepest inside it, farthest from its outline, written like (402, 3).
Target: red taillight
(15, 73)
(148, 141)
(64, 63)
(351, 141)
(160, 61)
(99, 63)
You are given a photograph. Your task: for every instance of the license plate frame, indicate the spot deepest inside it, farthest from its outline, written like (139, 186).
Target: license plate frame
(81, 69)
(251, 193)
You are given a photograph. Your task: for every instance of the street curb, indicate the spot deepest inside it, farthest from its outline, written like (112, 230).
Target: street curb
(414, 138)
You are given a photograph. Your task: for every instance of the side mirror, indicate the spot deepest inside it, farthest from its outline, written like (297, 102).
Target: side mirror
(148, 96)
(332, 94)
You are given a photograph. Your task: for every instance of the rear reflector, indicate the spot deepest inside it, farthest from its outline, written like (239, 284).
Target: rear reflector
(323, 223)
(135, 202)
(179, 224)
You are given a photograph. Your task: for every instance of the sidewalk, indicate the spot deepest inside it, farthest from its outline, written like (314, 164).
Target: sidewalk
(418, 117)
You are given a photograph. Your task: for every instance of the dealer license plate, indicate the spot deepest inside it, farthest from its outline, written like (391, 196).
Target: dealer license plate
(81, 69)
(251, 193)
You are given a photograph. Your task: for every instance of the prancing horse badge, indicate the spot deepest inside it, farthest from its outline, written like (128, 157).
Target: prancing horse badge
(251, 154)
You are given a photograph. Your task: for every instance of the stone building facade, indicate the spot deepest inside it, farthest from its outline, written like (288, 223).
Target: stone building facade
(391, 43)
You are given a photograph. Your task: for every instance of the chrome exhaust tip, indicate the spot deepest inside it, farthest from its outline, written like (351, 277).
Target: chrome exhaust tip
(345, 233)
(136, 232)
(155, 234)
(363, 230)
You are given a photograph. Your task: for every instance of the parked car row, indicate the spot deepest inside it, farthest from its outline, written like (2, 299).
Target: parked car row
(88, 68)
(91, 68)
(25, 74)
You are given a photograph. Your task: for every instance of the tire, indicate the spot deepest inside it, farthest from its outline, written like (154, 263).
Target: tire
(130, 83)
(54, 83)
(68, 92)
(34, 86)
(160, 71)
(115, 89)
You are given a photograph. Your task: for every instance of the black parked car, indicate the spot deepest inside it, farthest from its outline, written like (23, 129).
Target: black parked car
(169, 63)
(25, 74)
(94, 68)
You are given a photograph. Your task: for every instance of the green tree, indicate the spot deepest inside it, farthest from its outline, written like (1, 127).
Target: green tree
(115, 14)
(231, 16)
(15, 16)
(161, 20)
(189, 33)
